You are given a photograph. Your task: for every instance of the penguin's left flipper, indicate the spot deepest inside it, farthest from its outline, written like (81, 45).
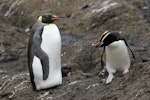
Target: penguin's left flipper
(41, 55)
(129, 48)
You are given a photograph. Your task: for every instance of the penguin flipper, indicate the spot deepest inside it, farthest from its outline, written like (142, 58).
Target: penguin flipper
(129, 48)
(102, 61)
(41, 54)
(45, 67)
(122, 37)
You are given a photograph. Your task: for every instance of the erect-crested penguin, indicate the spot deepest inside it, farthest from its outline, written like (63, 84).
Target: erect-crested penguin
(116, 52)
(44, 53)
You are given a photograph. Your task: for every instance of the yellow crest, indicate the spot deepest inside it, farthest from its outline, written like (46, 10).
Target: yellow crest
(105, 34)
(40, 19)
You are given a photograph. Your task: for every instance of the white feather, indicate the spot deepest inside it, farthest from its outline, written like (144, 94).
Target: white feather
(117, 57)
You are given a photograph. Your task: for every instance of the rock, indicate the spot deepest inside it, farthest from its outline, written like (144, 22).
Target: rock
(13, 43)
(85, 6)
(145, 59)
(138, 48)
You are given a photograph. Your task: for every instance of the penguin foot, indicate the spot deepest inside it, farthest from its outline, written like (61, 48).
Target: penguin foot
(109, 78)
(125, 71)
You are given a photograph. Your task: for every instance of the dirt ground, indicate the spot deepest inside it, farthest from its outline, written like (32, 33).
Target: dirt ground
(82, 23)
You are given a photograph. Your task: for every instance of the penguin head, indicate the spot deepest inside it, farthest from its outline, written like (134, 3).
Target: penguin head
(109, 37)
(47, 18)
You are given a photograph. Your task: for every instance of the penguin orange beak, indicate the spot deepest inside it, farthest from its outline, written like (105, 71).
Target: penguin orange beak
(54, 18)
(96, 45)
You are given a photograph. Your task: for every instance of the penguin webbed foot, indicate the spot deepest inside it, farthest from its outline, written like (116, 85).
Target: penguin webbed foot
(109, 78)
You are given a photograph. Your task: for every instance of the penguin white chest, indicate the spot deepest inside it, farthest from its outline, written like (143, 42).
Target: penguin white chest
(51, 39)
(117, 56)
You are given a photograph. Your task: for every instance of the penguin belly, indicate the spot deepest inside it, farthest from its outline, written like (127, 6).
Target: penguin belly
(51, 45)
(117, 56)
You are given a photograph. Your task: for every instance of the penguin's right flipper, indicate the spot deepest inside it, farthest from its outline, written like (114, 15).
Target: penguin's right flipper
(102, 61)
(40, 53)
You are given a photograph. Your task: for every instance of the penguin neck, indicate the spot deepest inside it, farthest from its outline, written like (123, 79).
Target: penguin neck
(113, 44)
(51, 24)
(46, 23)
(116, 44)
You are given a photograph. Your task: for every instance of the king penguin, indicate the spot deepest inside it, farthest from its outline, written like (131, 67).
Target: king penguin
(44, 53)
(116, 53)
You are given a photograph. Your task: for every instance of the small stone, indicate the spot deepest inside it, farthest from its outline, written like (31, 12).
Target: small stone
(145, 59)
(85, 6)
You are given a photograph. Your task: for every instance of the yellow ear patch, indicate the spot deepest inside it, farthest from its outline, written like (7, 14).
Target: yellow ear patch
(40, 19)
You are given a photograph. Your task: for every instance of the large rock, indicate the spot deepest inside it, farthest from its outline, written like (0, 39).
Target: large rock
(13, 43)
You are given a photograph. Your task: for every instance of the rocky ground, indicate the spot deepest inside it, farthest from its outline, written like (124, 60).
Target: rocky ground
(81, 24)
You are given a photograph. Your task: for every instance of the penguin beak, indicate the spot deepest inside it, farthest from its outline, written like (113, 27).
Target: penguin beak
(96, 45)
(54, 18)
